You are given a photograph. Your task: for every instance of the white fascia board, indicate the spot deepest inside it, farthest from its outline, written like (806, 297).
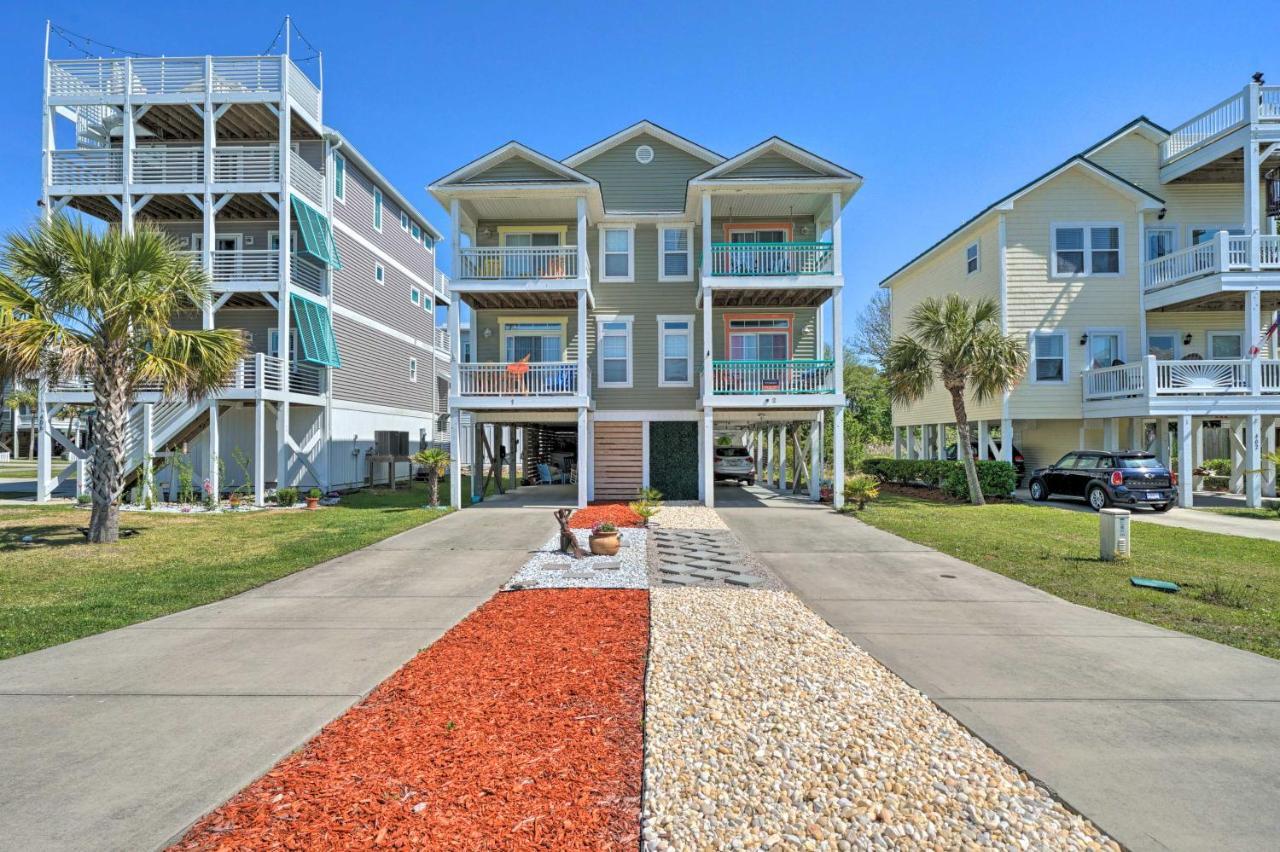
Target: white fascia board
(661, 133)
(506, 152)
(787, 149)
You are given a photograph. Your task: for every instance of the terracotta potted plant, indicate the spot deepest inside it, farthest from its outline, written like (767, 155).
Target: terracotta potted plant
(605, 539)
(313, 499)
(234, 499)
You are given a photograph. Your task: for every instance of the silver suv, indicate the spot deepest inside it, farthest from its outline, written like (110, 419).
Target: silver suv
(735, 463)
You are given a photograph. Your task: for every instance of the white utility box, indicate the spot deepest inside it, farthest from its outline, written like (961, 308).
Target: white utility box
(1114, 534)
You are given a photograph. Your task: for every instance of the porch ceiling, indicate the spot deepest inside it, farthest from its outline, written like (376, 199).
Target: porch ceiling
(549, 301)
(1229, 168)
(1224, 301)
(747, 203)
(754, 297)
(528, 206)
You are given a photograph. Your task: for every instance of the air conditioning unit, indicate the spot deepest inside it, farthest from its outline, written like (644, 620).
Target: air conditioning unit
(391, 443)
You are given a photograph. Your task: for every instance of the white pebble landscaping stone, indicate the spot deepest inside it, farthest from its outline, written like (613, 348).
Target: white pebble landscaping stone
(688, 516)
(551, 569)
(766, 728)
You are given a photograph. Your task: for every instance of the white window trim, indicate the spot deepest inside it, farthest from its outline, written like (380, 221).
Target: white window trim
(1088, 272)
(413, 370)
(340, 198)
(663, 319)
(1172, 230)
(1211, 228)
(415, 292)
(378, 205)
(1066, 356)
(687, 227)
(404, 221)
(631, 252)
(1117, 332)
(1226, 332)
(630, 322)
(976, 245)
(1165, 332)
(379, 274)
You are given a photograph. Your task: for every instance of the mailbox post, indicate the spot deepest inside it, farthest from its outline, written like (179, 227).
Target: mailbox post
(1114, 534)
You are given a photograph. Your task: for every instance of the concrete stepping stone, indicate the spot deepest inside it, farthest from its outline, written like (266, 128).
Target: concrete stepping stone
(677, 570)
(608, 565)
(711, 574)
(747, 580)
(683, 580)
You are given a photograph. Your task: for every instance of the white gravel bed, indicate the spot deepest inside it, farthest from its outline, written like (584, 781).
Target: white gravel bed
(551, 569)
(688, 516)
(766, 728)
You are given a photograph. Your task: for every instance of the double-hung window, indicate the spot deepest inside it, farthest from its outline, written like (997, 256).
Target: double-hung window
(379, 273)
(413, 369)
(759, 339)
(675, 253)
(675, 351)
(1087, 249)
(617, 254)
(339, 178)
(972, 259)
(415, 295)
(614, 339)
(417, 232)
(377, 210)
(1049, 356)
(404, 221)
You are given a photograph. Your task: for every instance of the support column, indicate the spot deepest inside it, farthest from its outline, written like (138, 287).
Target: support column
(912, 452)
(455, 459)
(1198, 460)
(782, 457)
(1234, 431)
(1137, 434)
(283, 435)
(815, 458)
(512, 478)
(897, 442)
(477, 460)
(128, 139)
(837, 456)
(214, 452)
(1185, 461)
(1269, 466)
(44, 443)
(259, 446)
(983, 440)
(708, 458)
(1006, 439)
(1110, 428)
(583, 438)
(941, 437)
(1253, 461)
(759, 454)
(583, 379)
(1162, 440)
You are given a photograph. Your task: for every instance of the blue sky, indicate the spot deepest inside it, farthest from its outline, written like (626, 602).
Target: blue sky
(941, 110)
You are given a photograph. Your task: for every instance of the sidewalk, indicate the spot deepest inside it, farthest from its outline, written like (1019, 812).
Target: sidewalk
(122, 740)
(1166, 741)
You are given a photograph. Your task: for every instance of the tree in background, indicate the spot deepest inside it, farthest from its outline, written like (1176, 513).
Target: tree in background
(959, 343)
(23, 398)
(102, 306)
(868, 417)
(871, 333)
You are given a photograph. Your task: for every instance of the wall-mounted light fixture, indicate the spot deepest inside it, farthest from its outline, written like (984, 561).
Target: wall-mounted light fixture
(1084, 339)
(1186, 339)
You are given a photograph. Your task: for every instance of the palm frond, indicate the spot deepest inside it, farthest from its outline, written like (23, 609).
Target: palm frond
(191, 363)
(1000, 362)
(908, 367)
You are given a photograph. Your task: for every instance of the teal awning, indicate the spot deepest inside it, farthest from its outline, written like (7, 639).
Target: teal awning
(315, 331)
(317, 233)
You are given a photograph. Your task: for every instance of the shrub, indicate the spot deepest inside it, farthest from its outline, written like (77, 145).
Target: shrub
(315, 493)
(1218, 467)
(860, 488)
(604, 527)
(84, 499)
(286, 496)
(996, 478)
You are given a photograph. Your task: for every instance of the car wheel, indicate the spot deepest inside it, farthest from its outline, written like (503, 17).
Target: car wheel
(1164, 507)
(1098, 498)
(751, 482)
(1038, 491)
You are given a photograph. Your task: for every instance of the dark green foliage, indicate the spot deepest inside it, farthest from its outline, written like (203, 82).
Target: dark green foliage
(673, 459)
(997, 478)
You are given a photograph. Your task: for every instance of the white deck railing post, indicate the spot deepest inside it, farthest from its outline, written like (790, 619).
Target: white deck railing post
(1222, 247)
(1150, 379)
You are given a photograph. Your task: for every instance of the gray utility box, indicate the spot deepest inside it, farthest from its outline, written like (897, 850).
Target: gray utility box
(391, 443)
(1114, 535)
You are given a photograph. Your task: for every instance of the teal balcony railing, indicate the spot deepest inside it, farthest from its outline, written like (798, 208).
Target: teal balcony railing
(756, 259)
(773, 377)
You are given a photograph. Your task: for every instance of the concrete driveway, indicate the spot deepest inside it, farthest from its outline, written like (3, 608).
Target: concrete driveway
(1188, 519)
(122, 740)
(1165, 740)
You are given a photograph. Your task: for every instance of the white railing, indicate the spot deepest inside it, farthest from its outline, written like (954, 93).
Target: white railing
(167, 75)
(304, 177)
(305, 274)
(1215, 121)
(168, 165)
(305, 378)
(442, 339)
(86, 77)
(498, 262)
(252, 266)
(246, 164)
(84, 166)
(303, 91)
(246, 74)
(1222, 253)
(757, 259)
(1269, 103)
(767, 378)
(1151, 377)
(539, 378)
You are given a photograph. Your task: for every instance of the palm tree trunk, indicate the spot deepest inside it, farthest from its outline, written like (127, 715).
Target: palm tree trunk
(31, 435)
(434, 478)
(964, 447)
(111, 397)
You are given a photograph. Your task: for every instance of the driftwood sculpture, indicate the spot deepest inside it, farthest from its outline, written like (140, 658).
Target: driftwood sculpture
(568, 541)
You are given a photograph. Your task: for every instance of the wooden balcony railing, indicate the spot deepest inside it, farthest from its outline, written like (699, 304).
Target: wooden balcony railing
(493, 263)
(538, 378)
(1158, 378)
(756, 259)
(767, 378)
(1223, 253)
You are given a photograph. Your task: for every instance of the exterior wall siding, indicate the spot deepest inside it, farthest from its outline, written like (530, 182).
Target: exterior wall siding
(375, 369)
(515, 169)
(630, 186)
(771, 165)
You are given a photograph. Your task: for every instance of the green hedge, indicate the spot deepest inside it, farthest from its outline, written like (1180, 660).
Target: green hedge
(996, 478)
(1220, 467)
(673, 460)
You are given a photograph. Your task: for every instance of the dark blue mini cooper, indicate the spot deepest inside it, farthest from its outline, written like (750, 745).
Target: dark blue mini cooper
(1108, 478)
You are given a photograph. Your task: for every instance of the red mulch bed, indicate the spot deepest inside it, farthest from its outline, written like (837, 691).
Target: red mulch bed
(617, 513)
(519, 728)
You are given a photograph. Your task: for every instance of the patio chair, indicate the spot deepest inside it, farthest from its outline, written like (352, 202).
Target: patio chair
(545, 477)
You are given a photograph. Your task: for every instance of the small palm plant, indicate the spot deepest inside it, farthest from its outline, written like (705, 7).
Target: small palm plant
(101, 306)
(860, 489)
(959, 343)
(434, 461)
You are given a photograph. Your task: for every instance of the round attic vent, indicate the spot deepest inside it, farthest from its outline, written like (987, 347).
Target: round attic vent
(644, 154)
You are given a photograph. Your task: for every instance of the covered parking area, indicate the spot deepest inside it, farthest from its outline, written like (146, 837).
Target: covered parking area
(787, 447)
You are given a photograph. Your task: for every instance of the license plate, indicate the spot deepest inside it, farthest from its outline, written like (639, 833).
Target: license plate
(1154, 495)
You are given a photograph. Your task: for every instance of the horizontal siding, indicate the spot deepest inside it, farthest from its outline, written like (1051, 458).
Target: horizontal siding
(1199, 323)
(802, 227)
(630, 186)
(488, 325)
(258, 322)
(618, 459)
(375, 369)
(771, 165)
(935, 277)
(487, 229)
(513, 169)
(804, 323)
(389, 303)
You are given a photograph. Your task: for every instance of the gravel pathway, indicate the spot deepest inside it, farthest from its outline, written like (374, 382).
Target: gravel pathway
(766, 728)
(551, 569)
(688, 516)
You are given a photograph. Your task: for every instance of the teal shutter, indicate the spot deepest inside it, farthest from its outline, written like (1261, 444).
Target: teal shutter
(316, 232)
(315, 331)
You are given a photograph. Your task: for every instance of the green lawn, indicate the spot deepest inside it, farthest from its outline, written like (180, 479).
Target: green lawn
(1230, 585)
(1263, 514)
(66, 589)
(17, 471)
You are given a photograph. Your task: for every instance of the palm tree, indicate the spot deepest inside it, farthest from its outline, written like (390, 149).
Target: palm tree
(960, 344)
(434, 461)
(28, 399)
(100, 305)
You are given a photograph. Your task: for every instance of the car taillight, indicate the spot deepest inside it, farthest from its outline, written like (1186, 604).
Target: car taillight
(1117, 478)
(1173, 477)
(751, 459)
(1017, 457)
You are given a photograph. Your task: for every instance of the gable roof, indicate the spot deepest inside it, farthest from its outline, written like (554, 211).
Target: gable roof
(647, 127)
(1080, 160)
(511, 150)
(821, 168)
(1141, 125)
